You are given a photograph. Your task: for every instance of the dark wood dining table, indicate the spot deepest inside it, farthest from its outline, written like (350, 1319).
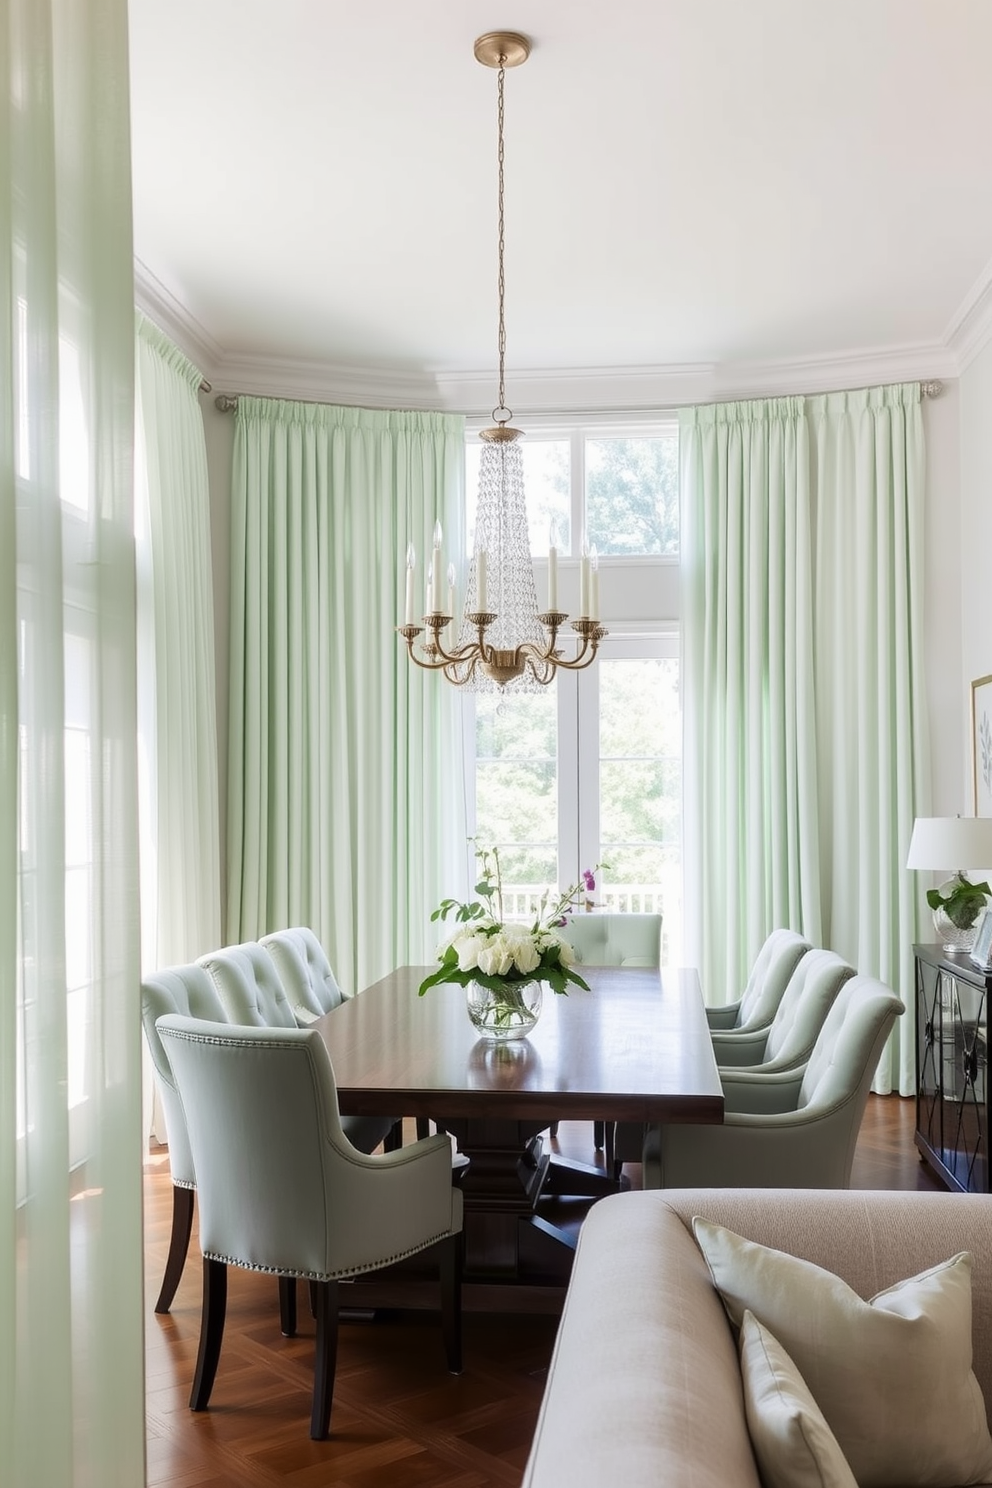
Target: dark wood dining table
(635, 1047)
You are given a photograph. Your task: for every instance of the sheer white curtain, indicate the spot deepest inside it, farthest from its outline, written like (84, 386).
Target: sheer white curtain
(71, 1356)
(806, 745)
(347, 806)
(180, 869)
(749, 754)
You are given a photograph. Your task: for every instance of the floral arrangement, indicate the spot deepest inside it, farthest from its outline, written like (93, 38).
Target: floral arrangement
(485, 949)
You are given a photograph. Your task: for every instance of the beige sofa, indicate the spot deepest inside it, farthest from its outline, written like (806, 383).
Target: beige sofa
(644, 1386)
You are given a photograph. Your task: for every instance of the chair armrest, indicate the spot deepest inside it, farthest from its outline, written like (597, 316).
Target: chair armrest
(723, 1017)
(740, 1047)
(765, 1095)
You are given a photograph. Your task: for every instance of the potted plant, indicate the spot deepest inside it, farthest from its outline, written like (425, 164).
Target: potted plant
(957, 907)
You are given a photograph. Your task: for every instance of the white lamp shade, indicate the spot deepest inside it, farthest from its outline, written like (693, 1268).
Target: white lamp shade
(947, 844)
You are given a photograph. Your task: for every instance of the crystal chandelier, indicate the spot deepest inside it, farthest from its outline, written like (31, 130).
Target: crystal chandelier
(502, 640)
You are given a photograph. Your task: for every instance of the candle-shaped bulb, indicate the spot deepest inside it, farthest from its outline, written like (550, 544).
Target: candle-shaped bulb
(552, 571)
(411, 565)
(594, 586)
(481, 583)
(436, 571)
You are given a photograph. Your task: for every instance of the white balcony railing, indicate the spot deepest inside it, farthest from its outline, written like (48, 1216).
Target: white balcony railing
(523, 902)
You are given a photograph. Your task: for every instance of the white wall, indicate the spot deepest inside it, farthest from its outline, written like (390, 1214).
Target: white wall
(975, 573)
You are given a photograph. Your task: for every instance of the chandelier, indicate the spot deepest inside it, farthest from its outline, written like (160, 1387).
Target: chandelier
(502, 640)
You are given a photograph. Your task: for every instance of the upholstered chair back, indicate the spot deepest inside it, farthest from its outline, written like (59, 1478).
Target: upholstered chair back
(806, 1002)
(842, 1065)
(773, 966)
(249, 986)
(279, 1186)
(615, 939)
(304, 970)
(188, 990)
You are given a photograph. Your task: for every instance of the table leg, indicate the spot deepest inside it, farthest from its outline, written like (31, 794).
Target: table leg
(507, 1172)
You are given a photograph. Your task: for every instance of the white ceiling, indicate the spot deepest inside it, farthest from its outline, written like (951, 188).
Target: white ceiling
(728, 185)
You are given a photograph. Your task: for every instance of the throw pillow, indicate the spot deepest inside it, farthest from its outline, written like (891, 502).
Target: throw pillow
(793, 1444)
(892, 1376)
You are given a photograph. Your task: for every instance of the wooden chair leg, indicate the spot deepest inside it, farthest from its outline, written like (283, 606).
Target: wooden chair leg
(450, 1265)
(312, 1288)
(599, 1134)
(182, 1225)
(554, 1128)
(326, 1358)
(211, 1332)
(393, 1140)
(287, 1306)
(423, 1128)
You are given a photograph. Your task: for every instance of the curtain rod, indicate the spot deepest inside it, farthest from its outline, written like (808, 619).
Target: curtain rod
(228, 402)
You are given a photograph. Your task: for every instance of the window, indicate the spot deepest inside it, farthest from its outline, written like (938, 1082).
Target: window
(589, 769)
(618, 492)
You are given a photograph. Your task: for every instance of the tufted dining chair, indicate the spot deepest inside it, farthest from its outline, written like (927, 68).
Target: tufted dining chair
(282, 1190)
(309, 982)
(188, 990)
(613, 940)
(766, 984)
(791, 1129)
(254, 995)
(304, 970)
(789, 1038)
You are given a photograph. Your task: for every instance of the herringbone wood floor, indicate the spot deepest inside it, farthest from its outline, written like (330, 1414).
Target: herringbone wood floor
(399, 1419)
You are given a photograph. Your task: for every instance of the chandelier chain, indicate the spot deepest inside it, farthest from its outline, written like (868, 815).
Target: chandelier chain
(502, 639)
(501, 277)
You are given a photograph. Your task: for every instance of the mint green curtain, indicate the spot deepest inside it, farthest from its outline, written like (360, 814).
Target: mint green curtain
(872, 727)
(71, 1304)
(347, 807)
(806, 735)
(180, 868)
(749, 753)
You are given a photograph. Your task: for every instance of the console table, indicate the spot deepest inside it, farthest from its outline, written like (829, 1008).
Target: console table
(952, 1091)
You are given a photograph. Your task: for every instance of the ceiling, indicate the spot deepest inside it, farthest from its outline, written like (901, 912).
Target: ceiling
(743, 190)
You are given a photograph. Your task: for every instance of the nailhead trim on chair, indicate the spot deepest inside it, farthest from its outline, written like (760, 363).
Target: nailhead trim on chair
(400, 1255)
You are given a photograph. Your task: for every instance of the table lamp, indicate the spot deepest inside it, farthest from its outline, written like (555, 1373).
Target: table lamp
(954, 844)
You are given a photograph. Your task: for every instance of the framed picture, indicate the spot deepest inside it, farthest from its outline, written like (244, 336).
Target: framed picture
(981, 744)
(981, 951)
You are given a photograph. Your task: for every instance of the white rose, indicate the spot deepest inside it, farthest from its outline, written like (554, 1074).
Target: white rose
(565, 953)
(526, 956)
(496, 956)
(467, 949)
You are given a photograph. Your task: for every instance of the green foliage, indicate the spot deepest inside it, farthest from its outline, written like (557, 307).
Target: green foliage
(963, 904)
(632, 495)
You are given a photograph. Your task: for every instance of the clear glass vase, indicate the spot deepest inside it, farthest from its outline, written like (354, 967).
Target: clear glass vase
(507, 1012)
(952, 937)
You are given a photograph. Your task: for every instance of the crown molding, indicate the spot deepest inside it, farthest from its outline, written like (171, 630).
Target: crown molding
(970, 328)
(624, 391)
(172, 316)
(327, 382)
(925, 362)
